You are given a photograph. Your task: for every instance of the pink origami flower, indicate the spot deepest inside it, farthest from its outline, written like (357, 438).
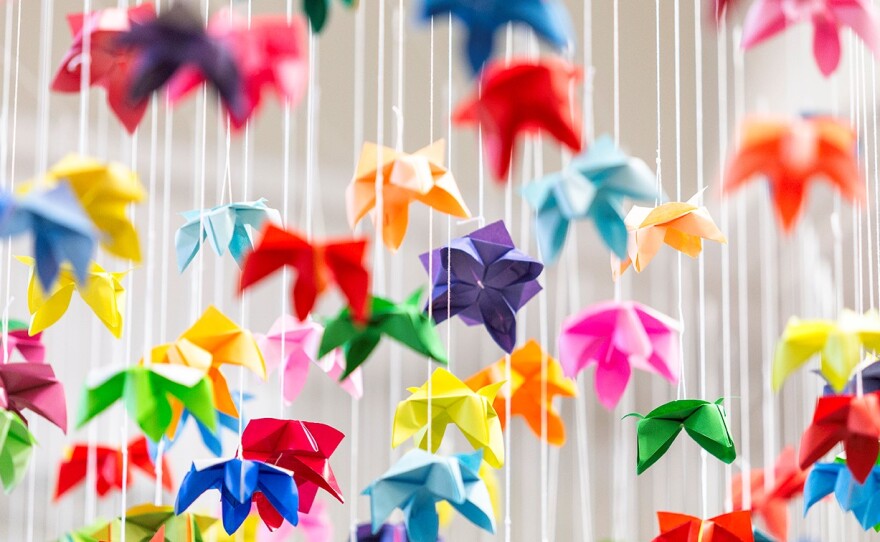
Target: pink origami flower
(767, 18)
(617, 337)
(292, 345)
(314, 527)
(30, 347)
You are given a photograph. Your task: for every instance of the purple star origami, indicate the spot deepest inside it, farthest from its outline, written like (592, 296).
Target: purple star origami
(484, 279)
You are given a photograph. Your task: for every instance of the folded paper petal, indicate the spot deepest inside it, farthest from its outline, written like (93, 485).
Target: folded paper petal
(16, 449)
(33, 386)
(730, 527)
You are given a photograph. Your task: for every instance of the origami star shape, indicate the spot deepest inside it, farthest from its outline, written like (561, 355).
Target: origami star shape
(862, 499)
(109, 64)
(839, 344)
(522, 96)
(30, 347)
(619, 336)
(16, 449)
(148, 522)
(301, 447)
(231, 225)
(317, 265)
(418, 481)
(60, 228)
(33, 386)
(766, 18)
(548, 18)
(592, 187)
(291, 346)
(531, 394)
(682, 226)
(101, 290)
(450, 401)
(211, 438)
(240, 484)
(705, 422)
(318, 10)
(404, 322)
(771, 503)
(484, 279)
(730, 527)
(792, 155)
(406, 178)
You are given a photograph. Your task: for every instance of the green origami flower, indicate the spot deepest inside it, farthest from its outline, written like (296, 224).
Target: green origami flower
(16, 447)
(317, 11)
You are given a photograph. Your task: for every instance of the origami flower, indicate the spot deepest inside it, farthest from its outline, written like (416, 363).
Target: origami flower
(73, 468)
(101, 290)
(241, 483)
(592, 187)
(105, 191)
(317, 264)
(30, 347)
(301, 447)
(531, 394)
(316, 526)
(771, 503)
(33, 386)
(151, 395)
(211, 438)
(619, 336)
(387, 532)
(682, 226)
(483, 278)
(418, 481)
(318, 10)
(404, 322)
(406, 178)
(16, 449)
(230, 225)
(148, 522)
(424, 416)
(522, 97)
(59, 226)
(109, 64)
(548, 18)
(730, 527)
(870, 377)
(863, 500)
(488, 475)
(766, 18)
(212, 341)
(269, 50)
(705, 422)
(839, 344)
(792, 154)
(291, 346)
(177, 41)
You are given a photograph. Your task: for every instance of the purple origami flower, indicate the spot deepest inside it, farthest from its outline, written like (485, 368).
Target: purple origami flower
(389, 532)
(174, 43)
(484, 279)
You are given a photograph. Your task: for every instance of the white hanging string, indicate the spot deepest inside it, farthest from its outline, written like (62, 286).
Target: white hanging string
(682, 383)
(285, 219)
(508, 463)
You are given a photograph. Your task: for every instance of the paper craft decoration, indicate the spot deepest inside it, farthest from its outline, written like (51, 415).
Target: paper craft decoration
(211, 438)
(771, 503)
(547, 18)
(488, 475)
(870, 382)
(406, 178)
(592, 187)
(767, 18)
(101, 290)
(212, 341)
(316, 526)
(291, 346)
(60, 229)
(177, 41)
(522, 96)
(705, 422)
(30, 347)
(33, 386)
(147, 522)
(682, 226)
(526, 383)
(839, 344)
(241, 483)
(619, 336)
(269, 51)
(387, 532)
(301, 447)
(730, 527)
(318, 11)
(105, 191)
(151, 395)
(863, 500)
(484, 279)
(792, 155)
(231, 225)
(16, 449)
(109, 65)
(451, 401)
(317, 265)
(850, 419)
(403, 322)
(720, 8)
(418, 481)
(73, 468)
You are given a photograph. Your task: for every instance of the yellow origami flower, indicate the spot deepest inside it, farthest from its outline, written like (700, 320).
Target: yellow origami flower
(102, 291)
(451, 401)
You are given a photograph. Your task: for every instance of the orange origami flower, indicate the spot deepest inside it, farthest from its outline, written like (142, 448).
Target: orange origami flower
(732, 527)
